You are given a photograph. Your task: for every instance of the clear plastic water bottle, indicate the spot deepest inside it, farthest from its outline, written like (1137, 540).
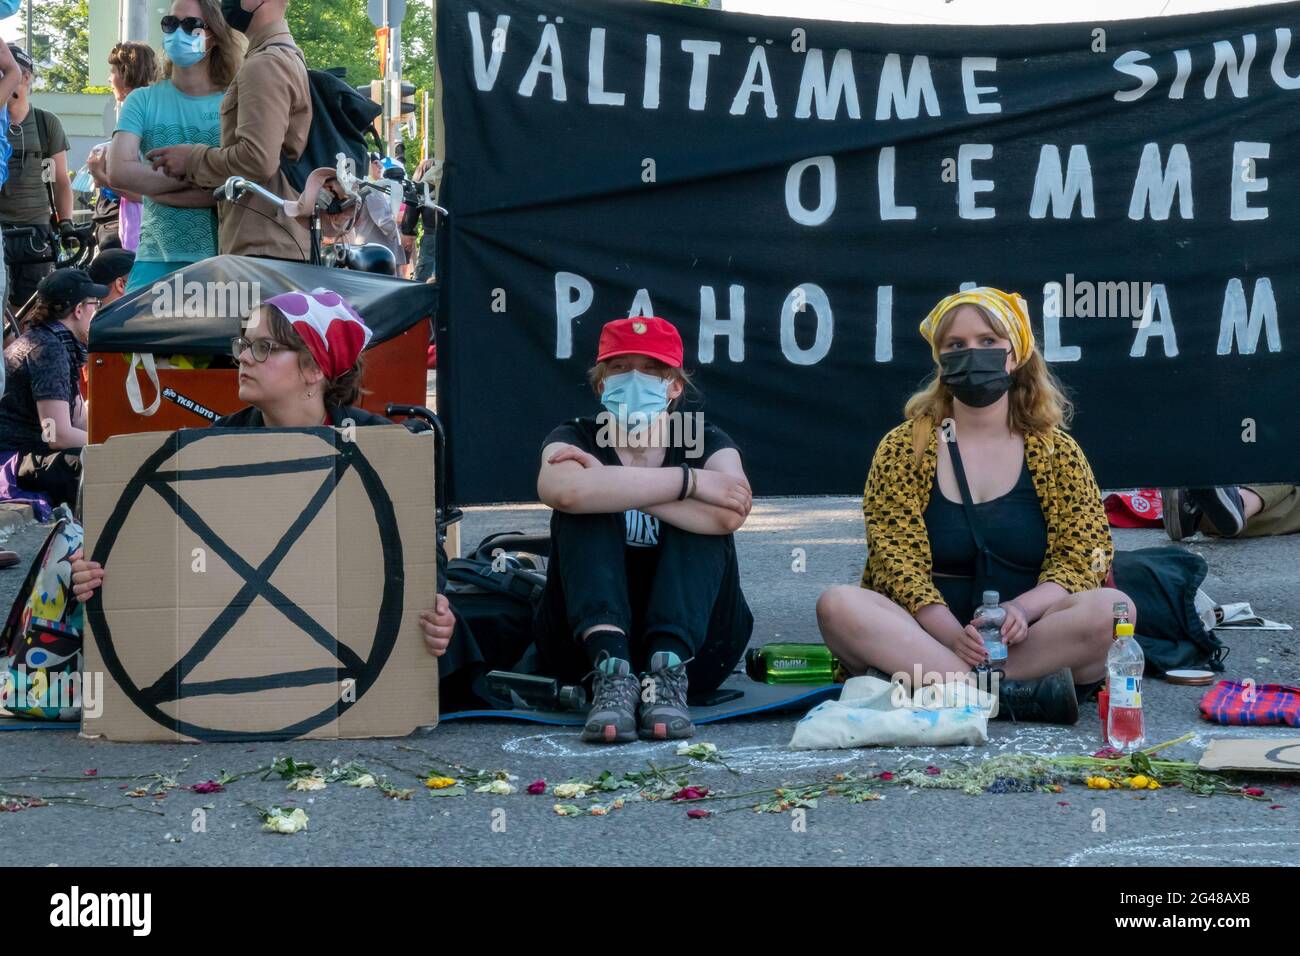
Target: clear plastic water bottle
(1125, 727)
(989, 619)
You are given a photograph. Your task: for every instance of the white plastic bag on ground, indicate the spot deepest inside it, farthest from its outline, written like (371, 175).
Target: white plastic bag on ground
(875, 713)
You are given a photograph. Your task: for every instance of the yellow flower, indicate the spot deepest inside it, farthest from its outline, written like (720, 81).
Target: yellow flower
(308, 783)
(1153, 785)
(1098, 783)
(567, 791)
(496, 786)
(280, 822)
(1139, 782)
(364, 781)
(439, 783)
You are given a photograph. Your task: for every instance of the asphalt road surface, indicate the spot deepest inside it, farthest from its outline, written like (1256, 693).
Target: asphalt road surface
(92, 820)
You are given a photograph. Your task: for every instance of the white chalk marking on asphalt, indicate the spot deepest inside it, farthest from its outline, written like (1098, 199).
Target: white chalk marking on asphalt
(752, 759)
(568, 746)
(1150, 847)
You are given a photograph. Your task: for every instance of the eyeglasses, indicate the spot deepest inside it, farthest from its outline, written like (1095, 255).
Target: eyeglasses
(95, 302)
(261, 348)
(189, 24)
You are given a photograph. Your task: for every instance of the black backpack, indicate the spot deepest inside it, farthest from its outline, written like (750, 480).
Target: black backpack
(494, 597)
(341, 118)
(515, 572)
(1162, 582)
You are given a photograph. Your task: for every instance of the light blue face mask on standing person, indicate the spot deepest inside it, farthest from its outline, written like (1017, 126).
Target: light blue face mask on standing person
(184, 49)
(635, 398)
(8, 8)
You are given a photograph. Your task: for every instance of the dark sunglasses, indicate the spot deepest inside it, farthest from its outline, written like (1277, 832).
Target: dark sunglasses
(189, 24)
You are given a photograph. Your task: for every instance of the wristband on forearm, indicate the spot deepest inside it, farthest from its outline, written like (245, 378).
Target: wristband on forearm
(686, 483)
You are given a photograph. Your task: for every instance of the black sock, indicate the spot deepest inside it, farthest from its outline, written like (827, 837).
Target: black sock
(672, 644)
(610, 641)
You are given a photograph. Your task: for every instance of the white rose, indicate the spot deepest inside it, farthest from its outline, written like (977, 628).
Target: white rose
(571, 790)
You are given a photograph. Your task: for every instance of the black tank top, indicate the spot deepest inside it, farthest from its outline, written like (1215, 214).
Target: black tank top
(1014, 528)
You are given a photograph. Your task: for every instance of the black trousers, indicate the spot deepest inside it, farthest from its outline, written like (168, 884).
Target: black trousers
(24, 277)
(688, 586)
(57, 475)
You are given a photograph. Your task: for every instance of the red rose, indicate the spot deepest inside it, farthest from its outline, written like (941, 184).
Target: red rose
(691, 793)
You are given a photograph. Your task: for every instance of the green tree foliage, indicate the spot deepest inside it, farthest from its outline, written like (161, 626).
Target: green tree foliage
(66, 25)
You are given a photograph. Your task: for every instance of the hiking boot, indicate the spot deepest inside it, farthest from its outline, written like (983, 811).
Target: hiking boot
(665, 715)
(615, 692)
(1048, 700)
(1223, 506)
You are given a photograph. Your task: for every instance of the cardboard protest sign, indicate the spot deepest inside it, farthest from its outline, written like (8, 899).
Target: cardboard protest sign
(261, 583)
(1276, 754)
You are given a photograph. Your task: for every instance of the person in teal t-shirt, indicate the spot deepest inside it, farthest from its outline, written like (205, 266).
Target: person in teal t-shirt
(178, 223)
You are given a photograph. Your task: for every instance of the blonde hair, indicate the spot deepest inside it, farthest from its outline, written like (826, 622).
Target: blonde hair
(600, 371)
(1037, 402)
(225, 46)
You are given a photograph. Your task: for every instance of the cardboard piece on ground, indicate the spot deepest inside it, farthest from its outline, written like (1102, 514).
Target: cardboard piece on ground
(1274, 754)
(261, 584)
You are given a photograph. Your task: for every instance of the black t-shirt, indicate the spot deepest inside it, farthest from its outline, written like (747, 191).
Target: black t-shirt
(695, 448)
(43, 363)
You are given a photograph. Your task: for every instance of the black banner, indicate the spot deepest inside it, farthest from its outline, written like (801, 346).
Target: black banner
(796, 195)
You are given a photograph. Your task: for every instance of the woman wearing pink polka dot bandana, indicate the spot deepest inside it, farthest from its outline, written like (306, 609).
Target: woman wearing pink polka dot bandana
(299, 366)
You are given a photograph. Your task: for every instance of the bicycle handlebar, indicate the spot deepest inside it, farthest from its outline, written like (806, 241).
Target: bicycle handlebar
(234, 187)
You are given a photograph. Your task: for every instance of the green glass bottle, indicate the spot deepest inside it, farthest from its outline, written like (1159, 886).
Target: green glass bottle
(791, 663)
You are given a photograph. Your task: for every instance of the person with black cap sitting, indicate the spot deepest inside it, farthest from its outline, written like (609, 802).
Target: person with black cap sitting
(42, 413)
(110, 268)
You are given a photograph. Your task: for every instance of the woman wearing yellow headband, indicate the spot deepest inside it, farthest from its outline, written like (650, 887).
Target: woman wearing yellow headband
(982, 489)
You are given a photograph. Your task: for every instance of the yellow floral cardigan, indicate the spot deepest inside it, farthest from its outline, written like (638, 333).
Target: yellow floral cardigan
(1079, 546)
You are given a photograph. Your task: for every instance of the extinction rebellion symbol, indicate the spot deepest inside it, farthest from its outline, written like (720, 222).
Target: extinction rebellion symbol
(171, 686)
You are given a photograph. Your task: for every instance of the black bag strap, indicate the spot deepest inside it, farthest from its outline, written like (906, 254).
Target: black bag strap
(43, 138)
(967, 502)
(42, 130)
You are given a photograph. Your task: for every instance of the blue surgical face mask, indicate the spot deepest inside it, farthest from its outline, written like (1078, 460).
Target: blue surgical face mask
(8, 8)
(184, 49)
(635, 398)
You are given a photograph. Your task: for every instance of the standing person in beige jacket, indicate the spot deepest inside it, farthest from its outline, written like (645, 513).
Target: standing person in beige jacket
(266, 115)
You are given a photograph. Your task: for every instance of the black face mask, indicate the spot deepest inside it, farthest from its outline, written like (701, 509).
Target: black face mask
(238, 18)
(977, 377)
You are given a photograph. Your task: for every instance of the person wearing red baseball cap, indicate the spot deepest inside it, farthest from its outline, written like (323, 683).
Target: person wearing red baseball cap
(643, 578)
